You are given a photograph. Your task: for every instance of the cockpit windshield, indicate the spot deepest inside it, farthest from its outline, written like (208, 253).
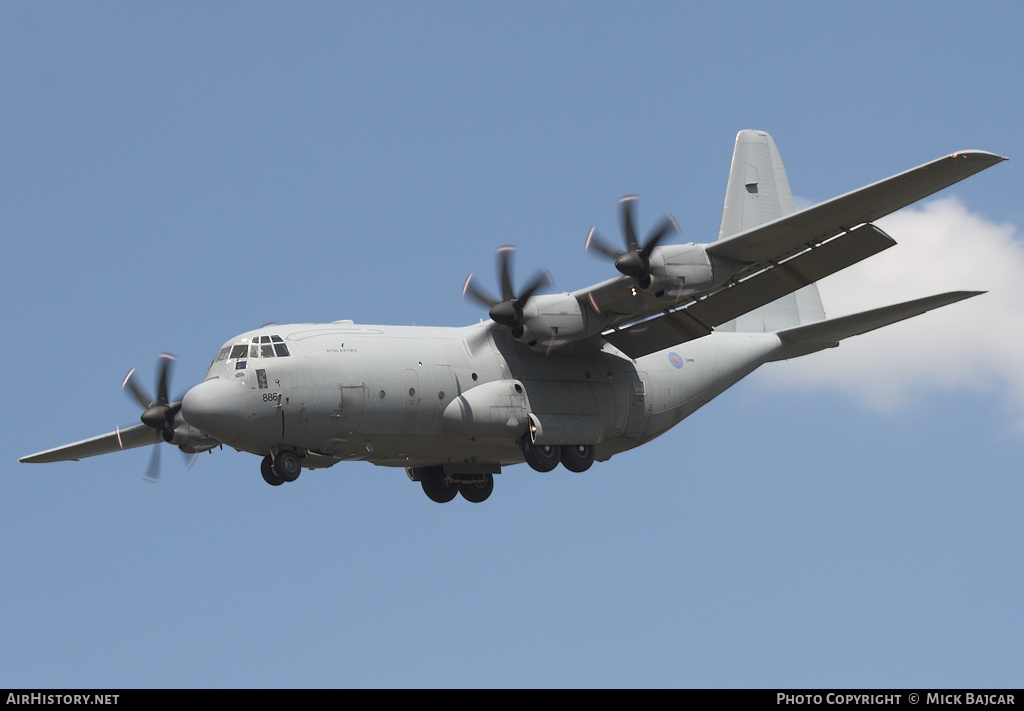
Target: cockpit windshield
(256, 347)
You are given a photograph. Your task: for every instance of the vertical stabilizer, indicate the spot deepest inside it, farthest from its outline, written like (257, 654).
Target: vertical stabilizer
(758, 192)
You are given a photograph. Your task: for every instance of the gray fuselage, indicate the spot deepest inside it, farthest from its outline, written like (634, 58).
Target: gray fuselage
(414, 396)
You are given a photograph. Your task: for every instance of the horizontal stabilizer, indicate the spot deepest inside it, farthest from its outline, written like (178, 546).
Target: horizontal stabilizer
(780, 237)
(697, 319)
(128, 438)
(813, 337)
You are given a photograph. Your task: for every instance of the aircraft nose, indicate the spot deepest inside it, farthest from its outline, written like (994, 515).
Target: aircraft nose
(217, 407)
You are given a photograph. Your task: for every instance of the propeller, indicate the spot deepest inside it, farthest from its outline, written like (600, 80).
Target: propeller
(635, 262)
(158, 414)
(508, 311)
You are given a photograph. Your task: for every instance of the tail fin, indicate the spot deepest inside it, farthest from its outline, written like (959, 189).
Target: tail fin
(758, 192)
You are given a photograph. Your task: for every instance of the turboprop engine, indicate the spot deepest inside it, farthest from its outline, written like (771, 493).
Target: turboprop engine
(675, 270)
(550, 321)
(543, 321)
(678, 271)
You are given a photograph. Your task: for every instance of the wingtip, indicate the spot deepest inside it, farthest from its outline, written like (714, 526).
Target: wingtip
(985, 156)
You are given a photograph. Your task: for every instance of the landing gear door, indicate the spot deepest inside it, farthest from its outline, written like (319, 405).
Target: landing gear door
(639, 409)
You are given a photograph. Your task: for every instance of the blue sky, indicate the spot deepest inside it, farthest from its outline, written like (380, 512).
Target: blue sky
(174, 174)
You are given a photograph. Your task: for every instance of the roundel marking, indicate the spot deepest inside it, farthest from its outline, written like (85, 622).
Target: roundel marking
(675, 360)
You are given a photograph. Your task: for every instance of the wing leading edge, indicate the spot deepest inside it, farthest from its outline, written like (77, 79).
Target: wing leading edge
(776, 239)
(128, 438)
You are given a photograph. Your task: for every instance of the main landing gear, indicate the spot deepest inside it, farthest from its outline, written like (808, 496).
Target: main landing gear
(545, 457)
(442, 489)
(285, 466)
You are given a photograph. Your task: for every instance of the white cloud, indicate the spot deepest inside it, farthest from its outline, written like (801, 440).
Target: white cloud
(975, 344)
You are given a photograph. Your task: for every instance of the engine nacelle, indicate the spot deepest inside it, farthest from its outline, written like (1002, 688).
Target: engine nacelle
(679, 271)
(189, 439)
(551, 321)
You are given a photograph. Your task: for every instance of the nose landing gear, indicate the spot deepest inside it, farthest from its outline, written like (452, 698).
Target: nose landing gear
(285, 466)
(267, 470)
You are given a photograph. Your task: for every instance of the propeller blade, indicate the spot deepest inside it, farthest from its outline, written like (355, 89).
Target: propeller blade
(167, 361)
(599, 246)
(153, 470)
(509, 310)
(479, 294)
(160, 414)
(133, 387)
(666, 227)
(505, 272)
(635, 261)
(627, 222)
(543, 278)
(190, 459)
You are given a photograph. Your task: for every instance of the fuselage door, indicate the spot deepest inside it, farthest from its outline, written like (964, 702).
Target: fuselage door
(639, 409)
(349, 414)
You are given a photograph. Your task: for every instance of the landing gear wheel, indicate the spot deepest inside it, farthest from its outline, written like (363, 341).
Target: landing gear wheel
(477, 491)
(577, 457)
(435, 486)
(542, 457)
(267, 470)
(287, 465)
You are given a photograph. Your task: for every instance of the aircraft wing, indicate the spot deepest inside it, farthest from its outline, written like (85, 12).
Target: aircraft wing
(699, 317)
(774, 259)
(128, 438)
(780, 237)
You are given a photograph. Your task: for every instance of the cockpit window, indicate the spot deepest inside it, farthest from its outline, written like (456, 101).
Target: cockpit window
(259, 347)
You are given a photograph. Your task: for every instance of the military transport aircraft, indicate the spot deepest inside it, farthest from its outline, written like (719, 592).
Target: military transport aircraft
(552, 378)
